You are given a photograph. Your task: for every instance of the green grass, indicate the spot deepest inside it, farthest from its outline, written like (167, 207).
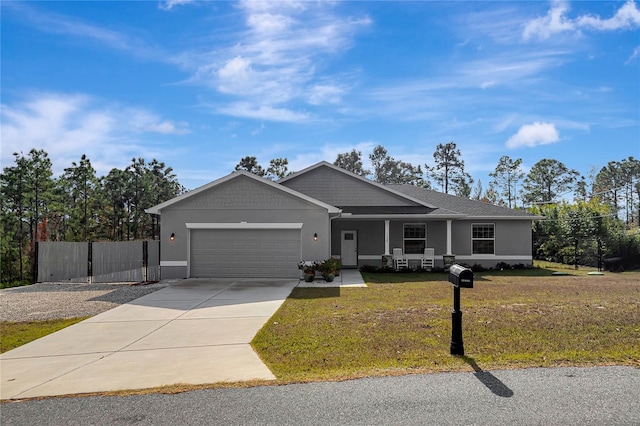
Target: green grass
(11, 284)
(14, 334)
(510, 319)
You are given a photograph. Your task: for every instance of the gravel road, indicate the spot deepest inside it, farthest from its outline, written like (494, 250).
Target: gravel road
(44, 301)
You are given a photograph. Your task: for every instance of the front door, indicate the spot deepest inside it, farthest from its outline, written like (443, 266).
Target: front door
(349, 248)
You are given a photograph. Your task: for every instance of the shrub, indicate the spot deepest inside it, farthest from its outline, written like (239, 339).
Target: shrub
(476, 267)
(368, 268)
(503, 265)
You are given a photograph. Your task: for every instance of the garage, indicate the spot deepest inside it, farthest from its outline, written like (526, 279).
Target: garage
(249, 250)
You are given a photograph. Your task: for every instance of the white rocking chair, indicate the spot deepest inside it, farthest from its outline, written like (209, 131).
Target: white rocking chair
(399, 261)
(428, 259)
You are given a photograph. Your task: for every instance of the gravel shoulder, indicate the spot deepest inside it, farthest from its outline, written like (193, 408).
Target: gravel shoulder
(43, 301)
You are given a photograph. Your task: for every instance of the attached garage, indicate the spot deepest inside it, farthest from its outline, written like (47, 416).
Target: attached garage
(252, 250)
(242, 225)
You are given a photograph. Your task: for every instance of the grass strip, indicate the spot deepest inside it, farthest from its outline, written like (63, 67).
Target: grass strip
(14, 334)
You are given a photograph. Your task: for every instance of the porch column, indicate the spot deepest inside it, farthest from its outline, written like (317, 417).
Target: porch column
(449, 237)
(386, 237)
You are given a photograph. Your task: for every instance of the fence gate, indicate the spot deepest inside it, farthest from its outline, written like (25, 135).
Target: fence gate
(62, 261)
(101, 262)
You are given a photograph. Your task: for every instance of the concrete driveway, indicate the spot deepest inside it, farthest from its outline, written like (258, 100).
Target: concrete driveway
(196, 331)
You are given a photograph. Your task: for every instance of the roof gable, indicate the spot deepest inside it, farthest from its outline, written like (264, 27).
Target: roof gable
(239, 190)
(339, 187)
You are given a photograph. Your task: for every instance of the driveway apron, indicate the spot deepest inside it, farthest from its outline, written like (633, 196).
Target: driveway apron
(194, 332)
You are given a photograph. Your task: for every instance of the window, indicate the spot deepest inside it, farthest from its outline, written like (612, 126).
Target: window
(483, 238)
(415, 238)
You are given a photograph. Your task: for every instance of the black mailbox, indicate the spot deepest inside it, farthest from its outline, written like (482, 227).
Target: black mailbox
(461, 276)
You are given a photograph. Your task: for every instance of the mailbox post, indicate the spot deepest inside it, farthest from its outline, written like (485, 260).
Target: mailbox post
(459, 276)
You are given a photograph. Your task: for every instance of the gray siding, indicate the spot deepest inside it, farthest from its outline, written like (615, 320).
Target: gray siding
(461, 238)
(242, 192)
(241, 200)
(512, 238)
(370, 236)
(437, 237)
(339, 189)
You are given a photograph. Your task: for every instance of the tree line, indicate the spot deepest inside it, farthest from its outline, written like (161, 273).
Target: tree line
(78, 205)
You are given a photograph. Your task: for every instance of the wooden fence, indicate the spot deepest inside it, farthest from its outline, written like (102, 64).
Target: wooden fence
(100, 262)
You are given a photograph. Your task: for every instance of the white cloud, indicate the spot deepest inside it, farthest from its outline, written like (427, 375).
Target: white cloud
(170, 4)
(634, 55)
(143, 121)
(329, 152)
(325, 94)
(556, 21)
(236, 76)
(487, 84)
(533, 135)
(262, 112)
(69, 125)
(269, 23)
(61, 24)
(65, 25)
(628, 16)
(272, 63)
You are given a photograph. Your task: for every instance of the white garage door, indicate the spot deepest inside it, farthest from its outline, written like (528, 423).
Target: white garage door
(251, 253)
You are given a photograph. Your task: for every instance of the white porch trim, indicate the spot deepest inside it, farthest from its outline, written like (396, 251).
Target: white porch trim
(386, 237)
(173, 263)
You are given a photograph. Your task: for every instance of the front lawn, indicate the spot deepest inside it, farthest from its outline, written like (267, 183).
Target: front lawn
(510, 319)
(14, 334)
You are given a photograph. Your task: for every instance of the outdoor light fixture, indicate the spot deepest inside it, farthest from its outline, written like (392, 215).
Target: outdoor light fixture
(173, 236)
(315, 237)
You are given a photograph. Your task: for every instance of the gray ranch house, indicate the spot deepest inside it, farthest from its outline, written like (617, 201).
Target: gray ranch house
(242, 225)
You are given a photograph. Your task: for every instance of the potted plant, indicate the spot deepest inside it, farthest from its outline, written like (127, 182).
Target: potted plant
(328, 269)
(337, 265)
(309, 269)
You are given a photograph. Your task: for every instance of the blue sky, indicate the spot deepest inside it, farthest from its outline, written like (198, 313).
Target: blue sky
(199, 85)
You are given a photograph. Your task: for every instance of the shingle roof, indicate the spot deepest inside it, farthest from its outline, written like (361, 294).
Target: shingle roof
(472, 208)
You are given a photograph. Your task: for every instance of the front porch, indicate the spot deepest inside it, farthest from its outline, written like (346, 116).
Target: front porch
(359, 242)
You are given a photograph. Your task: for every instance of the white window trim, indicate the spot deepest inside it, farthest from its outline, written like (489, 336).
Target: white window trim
(404, 251)
(484, 239)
